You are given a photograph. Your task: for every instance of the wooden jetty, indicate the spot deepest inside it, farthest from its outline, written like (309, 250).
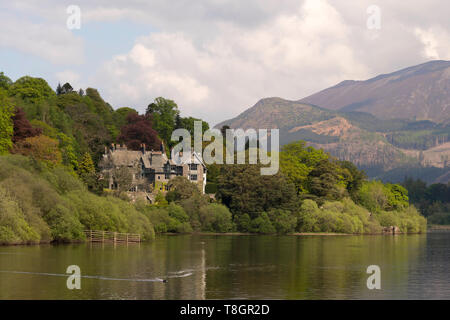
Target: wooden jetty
(111, 236)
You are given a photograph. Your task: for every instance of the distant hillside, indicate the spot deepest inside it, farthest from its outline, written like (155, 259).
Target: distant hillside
(420, 92)
(278, 113)
(389, 150)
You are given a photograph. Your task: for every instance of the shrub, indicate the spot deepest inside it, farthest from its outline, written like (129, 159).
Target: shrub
(262, 224)
(44, 204)
(242, 222)
(13, 225)
(307, 217)
(215, 217)
(282, 220)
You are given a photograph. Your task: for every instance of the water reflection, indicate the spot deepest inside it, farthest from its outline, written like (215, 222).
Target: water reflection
(233, 267)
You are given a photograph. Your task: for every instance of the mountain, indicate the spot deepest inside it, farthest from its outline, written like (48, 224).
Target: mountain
(420, 92)
(278, 113)
(335, 132)
(387, 148)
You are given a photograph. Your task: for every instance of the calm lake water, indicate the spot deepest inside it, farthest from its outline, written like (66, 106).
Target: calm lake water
(234, 267)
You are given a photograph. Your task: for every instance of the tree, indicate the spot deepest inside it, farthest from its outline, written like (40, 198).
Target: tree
(86, 165)
(123, 178)
(67, 88)
(5, 82)
(188, 124)
(372, 196)
(180, 189)
(397, 197)
(22, 127)
(297, 160)
(59, 90)
(244, 190)
(215, 217)
(6, 122)
(120, 116)
(139, 131)
(31, 89)
(323, 181)
(163, 112)
(354, 178)
(40, 148)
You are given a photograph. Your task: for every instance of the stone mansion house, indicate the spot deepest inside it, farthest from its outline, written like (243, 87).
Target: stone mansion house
(151, 170)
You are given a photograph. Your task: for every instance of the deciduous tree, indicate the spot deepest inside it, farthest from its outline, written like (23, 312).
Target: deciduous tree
(22, 127)
(6, 123)
(138, 131)
(41, 148)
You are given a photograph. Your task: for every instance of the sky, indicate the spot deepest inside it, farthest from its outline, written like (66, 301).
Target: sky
(216, 58)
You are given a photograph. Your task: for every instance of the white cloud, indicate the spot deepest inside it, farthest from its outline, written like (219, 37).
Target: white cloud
(216, 78)
(69, 76)
(52, 42)
(436, 42)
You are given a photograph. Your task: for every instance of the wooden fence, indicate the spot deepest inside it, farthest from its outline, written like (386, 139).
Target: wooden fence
(111, 236)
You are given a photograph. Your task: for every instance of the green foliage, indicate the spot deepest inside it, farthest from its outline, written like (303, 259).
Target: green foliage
(325, 182)
(243, 189)
(297, 161)
(6, 123)
(408, 220)
(5, 82)
(160, 199)
(188, 124)
(120, 118)
(243, 222)
(336, 216)
(433, 201)
(86, 165)
(211, 188)
(375, 196)
(31, 89)
(353, 177)
(164, 112)
(216, 218)
(262, 224)
(397, 196)
(171, 218)
(180, 189)
(13, 225)
(38, 203)
(41, 148)
(282, 220)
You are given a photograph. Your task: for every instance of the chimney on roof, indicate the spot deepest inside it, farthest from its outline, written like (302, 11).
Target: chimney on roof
(143, 148)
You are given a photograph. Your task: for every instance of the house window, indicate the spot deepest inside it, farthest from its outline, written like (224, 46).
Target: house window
(167, 176)
(193, 177)
(193, 166)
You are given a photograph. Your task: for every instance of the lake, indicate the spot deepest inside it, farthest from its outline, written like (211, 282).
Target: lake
(233, 267)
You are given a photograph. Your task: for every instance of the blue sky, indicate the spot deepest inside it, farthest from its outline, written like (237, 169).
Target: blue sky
(217, 58)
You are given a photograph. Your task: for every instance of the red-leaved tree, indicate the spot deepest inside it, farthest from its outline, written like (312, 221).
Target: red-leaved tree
(22, 127)
(139, 131)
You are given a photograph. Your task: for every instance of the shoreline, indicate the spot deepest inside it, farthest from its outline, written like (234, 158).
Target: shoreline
(295, 234)
(439, 227)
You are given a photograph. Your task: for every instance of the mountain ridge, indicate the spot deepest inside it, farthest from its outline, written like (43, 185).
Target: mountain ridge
(378, 144)
(415, 93)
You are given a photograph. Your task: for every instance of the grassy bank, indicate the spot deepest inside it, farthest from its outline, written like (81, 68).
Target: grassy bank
(39, 204)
